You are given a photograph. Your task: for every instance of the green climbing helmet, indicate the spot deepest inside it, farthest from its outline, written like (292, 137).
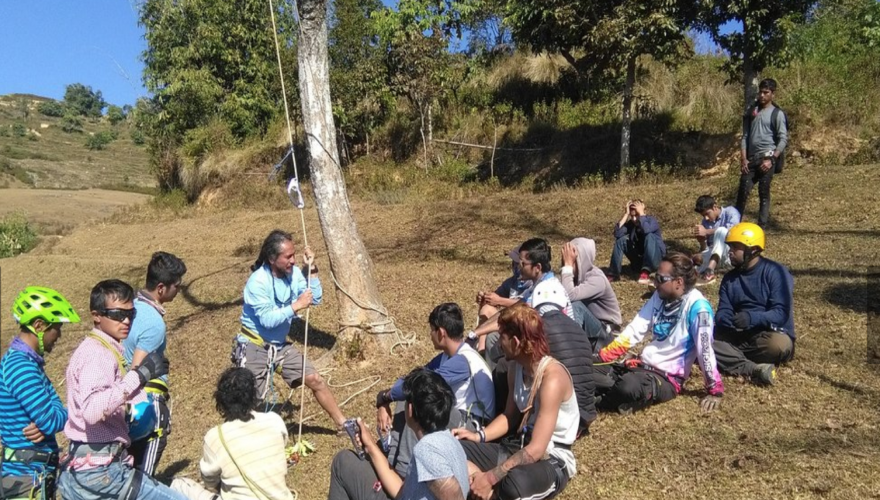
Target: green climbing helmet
(37, 302)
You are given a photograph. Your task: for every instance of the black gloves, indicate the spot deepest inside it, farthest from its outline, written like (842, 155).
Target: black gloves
(153, 366)
(742, 320)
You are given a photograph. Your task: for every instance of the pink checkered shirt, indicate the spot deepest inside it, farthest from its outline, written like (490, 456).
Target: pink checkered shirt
(97, 393)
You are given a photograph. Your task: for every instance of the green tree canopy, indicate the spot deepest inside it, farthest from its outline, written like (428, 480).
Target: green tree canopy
(84, 101)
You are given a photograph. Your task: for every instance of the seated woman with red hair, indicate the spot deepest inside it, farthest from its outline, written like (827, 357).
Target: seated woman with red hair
(537, 462)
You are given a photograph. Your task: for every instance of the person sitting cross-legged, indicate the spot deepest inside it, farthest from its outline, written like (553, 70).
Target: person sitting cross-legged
(536, 461)
(680, 321)
(461, 366)
(711, 233)
(593, 300)
(244, 457)
(506, 295)
(638, 238)
(534, 264)
(754, 331)
(438, 469)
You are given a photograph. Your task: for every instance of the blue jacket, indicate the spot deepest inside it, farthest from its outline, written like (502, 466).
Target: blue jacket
(267, 300)
(765, 291)
(636, 232)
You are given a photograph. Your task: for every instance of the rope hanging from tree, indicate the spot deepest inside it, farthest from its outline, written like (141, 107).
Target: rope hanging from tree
(295, 194)
(294, 185)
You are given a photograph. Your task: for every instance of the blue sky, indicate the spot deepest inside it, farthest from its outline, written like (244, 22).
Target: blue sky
(48, 44)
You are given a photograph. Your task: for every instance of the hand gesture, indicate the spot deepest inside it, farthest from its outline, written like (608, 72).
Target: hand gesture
(569, 255)
(699, 231)
(492, 299)
(308, 256)
(766, 165)
(383, 419)
(33, 433)
(640, 208)
(463, 434)
(710, 403)
(303, 301)
(366, 439)
(744, 166)
(481, 486)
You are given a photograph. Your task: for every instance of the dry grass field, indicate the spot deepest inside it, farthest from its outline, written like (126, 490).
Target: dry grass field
(813, 435)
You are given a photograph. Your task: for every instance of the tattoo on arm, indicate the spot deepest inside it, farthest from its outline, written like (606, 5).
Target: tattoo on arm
(522, 457)
(446, 489)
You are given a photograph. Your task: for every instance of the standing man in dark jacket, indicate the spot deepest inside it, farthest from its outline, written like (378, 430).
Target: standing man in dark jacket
(638, 237)
(754, 325)
(765, 135)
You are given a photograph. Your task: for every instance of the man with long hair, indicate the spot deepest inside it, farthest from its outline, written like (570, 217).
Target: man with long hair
(276, 292)
(541, 408)
(681, 322)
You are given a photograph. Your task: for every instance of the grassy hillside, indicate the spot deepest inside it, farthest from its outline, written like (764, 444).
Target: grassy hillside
(35, 151)
(814, 435)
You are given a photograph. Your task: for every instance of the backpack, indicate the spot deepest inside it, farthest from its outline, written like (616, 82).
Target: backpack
(747, 123)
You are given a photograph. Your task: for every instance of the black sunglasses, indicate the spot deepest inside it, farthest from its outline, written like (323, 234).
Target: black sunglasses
(660, 279)
(119, 315)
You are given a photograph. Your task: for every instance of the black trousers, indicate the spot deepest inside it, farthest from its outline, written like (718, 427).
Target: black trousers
(747, 182)
(737, 353)
(538, 481)
(623, 388)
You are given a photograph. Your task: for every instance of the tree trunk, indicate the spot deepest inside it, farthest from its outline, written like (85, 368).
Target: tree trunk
(349, 261)
(626, 122)
(750, 73)
(750, 82)
(422, 132)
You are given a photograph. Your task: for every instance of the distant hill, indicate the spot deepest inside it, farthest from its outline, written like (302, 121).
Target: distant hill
(35, 151)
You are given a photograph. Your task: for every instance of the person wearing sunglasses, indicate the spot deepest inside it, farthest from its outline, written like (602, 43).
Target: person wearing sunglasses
(32, 410)
(682, 323)
(164, 274)
(101, 390)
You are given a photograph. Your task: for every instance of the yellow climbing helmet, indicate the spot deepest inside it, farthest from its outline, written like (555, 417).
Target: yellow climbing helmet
(747, 233)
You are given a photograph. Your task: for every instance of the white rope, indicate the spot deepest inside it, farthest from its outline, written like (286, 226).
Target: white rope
(404, 340)
(302, 216)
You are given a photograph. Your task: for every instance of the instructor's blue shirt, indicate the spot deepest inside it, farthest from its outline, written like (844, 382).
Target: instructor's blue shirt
(267, 300)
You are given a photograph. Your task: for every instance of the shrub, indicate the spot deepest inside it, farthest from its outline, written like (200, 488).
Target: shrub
(71, 124)
(52, 108)
(100, 140)
(16, 235)
(137, 137)
(19, 130)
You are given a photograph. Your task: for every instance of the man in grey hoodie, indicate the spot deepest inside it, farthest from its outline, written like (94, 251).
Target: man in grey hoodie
(595, 304)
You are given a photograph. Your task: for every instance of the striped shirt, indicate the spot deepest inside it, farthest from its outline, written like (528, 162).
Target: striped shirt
(27, 396)
(98, 390)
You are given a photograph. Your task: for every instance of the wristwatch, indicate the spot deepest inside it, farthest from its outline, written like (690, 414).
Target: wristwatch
(472, 335)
